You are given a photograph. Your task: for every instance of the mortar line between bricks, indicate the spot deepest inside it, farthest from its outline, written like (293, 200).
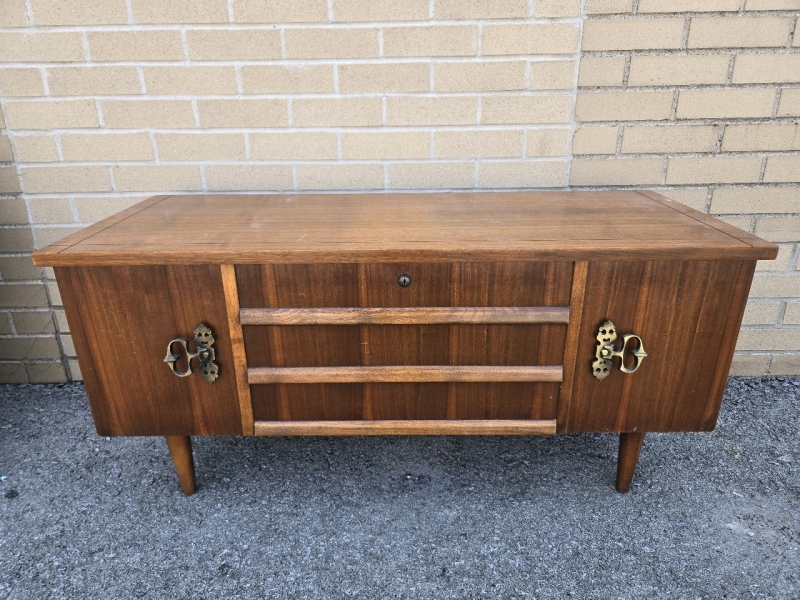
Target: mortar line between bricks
(129, 13)
(155, 97)
(301, 26)
(345, 25)
(644, 16)
(134, 99)
(326, 61)
(761, 155)
(710, 121)
(147, 193)
(792, 31)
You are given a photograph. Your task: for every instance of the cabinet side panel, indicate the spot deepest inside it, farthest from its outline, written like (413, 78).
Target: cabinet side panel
(688, 315)
(103, 412)
(122, 319)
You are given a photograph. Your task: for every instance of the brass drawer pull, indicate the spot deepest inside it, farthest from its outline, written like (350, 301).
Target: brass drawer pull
(204, 338)
(606, 336)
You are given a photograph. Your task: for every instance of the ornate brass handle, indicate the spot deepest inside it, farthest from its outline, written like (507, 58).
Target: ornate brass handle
(205, 355)
(606, 336)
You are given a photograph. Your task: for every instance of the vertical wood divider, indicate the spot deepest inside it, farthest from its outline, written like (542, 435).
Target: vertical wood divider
(579, 273)
(237, 347)
(367, 411)
(453, 334)
(551, 287)
(276, 341)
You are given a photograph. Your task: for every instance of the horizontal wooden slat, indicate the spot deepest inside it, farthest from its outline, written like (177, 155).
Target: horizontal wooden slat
(493, 427)
(403, 374)
(402, 316)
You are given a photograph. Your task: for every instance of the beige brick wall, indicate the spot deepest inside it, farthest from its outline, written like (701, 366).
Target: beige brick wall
(107, 103)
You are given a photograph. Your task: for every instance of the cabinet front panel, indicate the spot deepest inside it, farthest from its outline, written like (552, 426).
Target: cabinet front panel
(121, 319)
(688, 315)
(353, 401)
(377, 286)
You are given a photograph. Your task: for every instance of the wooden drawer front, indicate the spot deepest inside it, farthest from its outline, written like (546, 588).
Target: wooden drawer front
(432, 284)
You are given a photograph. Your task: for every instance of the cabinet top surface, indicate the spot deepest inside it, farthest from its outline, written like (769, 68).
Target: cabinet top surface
(472, 226)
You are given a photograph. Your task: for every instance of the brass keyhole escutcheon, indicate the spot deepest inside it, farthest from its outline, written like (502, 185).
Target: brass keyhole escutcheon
(205, 354)
(404, 280)
(606, 336)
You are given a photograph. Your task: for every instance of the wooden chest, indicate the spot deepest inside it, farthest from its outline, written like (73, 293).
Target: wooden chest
(404, 314)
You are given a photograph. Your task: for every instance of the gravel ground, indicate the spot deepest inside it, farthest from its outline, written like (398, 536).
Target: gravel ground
(708, 516)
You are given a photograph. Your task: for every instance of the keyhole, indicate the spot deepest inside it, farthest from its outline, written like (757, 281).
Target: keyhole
(404, 280)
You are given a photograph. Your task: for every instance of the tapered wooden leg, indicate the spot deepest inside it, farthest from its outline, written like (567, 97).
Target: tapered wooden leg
(180, 448)
(629, 446)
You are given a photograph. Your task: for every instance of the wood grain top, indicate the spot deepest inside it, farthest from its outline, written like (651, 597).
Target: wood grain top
(474, 226)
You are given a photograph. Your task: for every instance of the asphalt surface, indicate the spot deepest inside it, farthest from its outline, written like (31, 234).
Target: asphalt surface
(712, 515)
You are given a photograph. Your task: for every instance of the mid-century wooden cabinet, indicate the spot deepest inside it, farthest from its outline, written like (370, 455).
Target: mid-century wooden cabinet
(403, 314)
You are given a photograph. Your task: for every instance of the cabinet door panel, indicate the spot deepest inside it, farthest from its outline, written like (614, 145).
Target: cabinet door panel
(688, 315)
(121, 319)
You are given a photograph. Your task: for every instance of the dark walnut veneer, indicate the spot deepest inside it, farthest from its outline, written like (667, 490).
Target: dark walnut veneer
(496, 333)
